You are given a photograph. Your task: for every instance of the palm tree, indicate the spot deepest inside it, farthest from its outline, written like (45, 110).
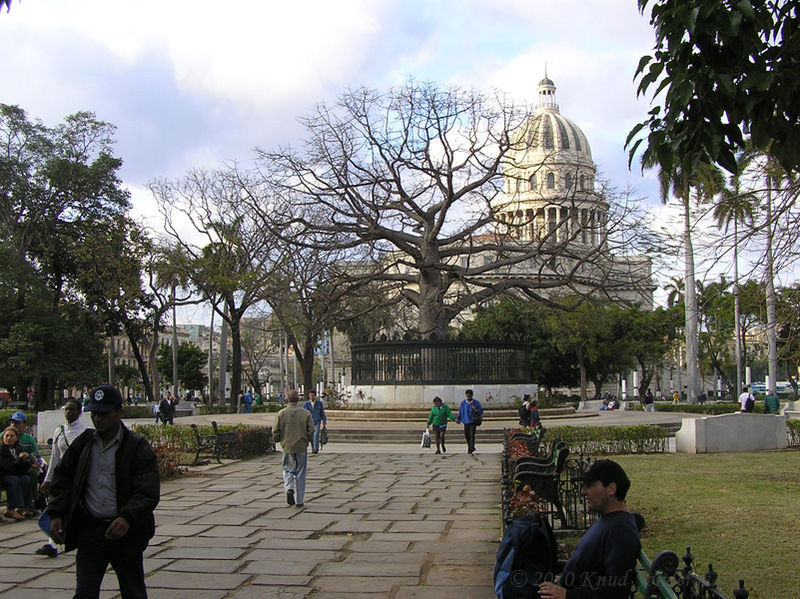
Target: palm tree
(674, 291)
(736, 206)
(706, 181)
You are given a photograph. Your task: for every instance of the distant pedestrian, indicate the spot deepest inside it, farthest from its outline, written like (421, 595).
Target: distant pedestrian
(470, 412)
(772, 404)
(166, 409)
(746, 400)
(524, 411)
(437, 419)
(317, 409)
(536, 418)
(703, 398)
(294, 428)
(247, 400)
(675, 398)
(649, 402)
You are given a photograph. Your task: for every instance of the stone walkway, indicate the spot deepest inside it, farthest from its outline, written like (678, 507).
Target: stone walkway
(393, 524)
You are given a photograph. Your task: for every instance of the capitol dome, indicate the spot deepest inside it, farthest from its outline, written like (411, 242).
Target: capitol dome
(549, 178)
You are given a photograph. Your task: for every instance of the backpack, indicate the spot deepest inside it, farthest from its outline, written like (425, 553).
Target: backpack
(749, 404)
(526, 557)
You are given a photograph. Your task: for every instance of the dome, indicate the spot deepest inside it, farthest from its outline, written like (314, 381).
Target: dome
(549, 137)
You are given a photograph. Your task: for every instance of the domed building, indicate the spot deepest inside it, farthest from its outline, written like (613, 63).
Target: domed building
(550, 199)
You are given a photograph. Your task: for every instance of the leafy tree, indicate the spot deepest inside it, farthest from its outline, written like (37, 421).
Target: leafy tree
(61, 207)
(723, 68)
(650, 337)
(789, 333)
(191, 362)
(717, 327)
(515, 317)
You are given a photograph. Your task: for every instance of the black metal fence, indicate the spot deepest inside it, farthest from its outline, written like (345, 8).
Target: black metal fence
(431, 361)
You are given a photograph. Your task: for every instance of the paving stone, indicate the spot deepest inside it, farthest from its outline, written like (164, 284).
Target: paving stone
(445, 592)
(472, 534)
(206, 542)
(367, 569)
(262, 592)
(182, 530)
(386, 558)
(281, 580)
(418, 526)
(379, 546)
(202, 553)
(157, 593)
(360, 526)
(346, 584)
(222, 566)
(327, 542)
(229, 531)
(455, 575)
(285, 566)
(233, 517)
(191, 580)
(406, 536)
(278, 555)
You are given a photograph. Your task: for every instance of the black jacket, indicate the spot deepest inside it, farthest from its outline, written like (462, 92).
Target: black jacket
(13, 465)
(138, 486)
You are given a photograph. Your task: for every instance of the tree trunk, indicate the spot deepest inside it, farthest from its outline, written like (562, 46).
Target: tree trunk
(772, 340)
(582, 367)
(736, 308)
(223, 354)
(236, 354)
(148, 389)
(690, 297)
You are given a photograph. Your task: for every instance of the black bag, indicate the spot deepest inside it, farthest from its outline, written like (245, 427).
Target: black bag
(526, 558)
(749, 404)
(323, 436)
(477, 419)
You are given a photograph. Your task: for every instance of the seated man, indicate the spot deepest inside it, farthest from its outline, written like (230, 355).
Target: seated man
(27, 444)
(603, 564)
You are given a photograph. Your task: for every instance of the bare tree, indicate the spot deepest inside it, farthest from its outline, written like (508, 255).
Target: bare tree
(225, 254)
(410, 182)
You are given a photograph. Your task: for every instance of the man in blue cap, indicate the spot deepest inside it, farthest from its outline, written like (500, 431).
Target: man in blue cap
(103, 494)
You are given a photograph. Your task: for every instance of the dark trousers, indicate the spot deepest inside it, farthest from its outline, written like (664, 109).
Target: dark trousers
(469, 435)
(18, 490)
(439, 433)
(95, 553)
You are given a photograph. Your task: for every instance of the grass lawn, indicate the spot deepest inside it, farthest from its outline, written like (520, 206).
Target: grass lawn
(738, 511)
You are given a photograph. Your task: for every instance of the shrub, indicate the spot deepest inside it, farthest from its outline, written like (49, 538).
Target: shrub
(209, 410)
(709, 408)
(170, 460)
(139, 412)
(272, 406)
(793, 432)
(607, 440)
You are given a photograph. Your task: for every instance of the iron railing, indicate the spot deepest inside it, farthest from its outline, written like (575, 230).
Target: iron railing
(430, 361)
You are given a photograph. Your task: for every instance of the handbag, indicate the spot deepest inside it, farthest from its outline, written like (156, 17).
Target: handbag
(477, 419)
(426, 439)
(323, 436)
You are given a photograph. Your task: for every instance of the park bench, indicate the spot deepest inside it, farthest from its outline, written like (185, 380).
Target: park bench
(216, 444)
(545, 460)
(531, 440)
(544, 478)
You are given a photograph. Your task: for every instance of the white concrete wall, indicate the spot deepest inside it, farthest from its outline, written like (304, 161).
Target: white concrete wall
(730, 433)
(415, 396)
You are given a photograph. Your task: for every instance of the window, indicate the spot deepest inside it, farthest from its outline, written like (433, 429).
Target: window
(551, 181)
(532, 181)
(583, 183)
(568, 181)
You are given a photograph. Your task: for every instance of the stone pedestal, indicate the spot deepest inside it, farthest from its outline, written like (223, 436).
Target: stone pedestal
(731, 433)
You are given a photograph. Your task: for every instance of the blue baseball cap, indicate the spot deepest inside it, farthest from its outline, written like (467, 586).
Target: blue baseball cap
(19, 417)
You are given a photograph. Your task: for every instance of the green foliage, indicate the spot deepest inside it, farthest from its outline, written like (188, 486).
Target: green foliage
(271, 406)
(206, 409)
(132, 411)
(793, 430)
(191, 362)
(5, 417)
(727, 407)
(609, 440)
(251, 441)
(720, 68)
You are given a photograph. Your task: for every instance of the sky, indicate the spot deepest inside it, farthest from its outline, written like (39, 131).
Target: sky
(200, 83)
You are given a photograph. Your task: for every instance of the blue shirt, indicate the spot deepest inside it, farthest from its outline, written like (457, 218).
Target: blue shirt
(603, 564)
(465, 411)
(317, 412)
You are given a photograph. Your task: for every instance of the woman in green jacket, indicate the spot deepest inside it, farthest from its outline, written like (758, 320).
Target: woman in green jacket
(440, 414)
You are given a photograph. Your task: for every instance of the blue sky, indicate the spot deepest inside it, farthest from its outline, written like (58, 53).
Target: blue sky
(196, 83)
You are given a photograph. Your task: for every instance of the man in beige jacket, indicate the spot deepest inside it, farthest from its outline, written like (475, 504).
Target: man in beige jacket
(294, 428)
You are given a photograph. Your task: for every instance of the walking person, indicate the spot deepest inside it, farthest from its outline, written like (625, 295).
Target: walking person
(440, 414)
(470, 412)
(317, 409)
(746, 400)
(294, 428)
(102, 498)
(649, 402)
(63, 437)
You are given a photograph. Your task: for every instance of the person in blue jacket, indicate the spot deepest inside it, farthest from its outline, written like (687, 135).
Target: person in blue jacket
(317, 410)
(469, 412)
